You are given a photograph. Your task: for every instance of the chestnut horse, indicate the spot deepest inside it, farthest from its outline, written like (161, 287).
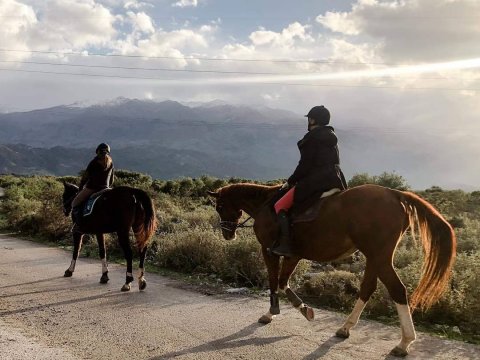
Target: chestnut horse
(117, 210)
(368, 218)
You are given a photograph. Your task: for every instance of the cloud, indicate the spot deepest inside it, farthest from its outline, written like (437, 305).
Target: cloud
(62, 24)
(136, 5)
(185, 3)
(412, 30)
(75, 24)
(18, 22)
(175, 45)
(285, 38)
(141, 22)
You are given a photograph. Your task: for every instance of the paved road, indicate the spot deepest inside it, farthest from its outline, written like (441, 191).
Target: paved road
(46, 316)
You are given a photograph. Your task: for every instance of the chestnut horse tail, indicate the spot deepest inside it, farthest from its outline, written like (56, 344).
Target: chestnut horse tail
(148, 224)
(439, 245)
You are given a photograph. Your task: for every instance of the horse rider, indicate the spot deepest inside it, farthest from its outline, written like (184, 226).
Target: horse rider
(317, 171)
(99, 175)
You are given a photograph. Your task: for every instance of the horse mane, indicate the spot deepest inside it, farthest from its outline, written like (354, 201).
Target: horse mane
(250, 191)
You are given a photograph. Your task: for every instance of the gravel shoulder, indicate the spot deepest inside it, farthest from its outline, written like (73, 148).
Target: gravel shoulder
(46, 316)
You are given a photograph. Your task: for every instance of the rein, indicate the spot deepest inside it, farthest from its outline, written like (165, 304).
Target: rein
(68, 201)
(232, 225)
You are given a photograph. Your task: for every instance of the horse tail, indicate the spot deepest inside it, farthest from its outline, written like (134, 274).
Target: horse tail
(145, 228)
(439, 245)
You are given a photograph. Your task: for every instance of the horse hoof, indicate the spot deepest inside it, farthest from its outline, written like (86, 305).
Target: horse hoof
(342, 333)
(104, 279)
(265, 319)
(399, 352)
(68, 273)
(308, 312)
(126, 287)
(142, 284)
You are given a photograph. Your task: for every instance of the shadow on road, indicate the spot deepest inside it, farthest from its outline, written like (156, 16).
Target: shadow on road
(324, 348)
(65, 302)
(227, 342)
(32, 282)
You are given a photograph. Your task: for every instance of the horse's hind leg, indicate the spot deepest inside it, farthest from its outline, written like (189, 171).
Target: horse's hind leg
(397, 291)
(288, 267)
(77, 245)
(123, 238)
(103, 256)
(367, 288)
(273, 265)
(142, 283)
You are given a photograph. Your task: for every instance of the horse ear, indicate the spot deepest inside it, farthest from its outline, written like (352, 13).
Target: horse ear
(213, 194)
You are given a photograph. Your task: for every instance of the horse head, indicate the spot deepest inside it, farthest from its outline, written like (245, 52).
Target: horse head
(229, 214)
(69, 193)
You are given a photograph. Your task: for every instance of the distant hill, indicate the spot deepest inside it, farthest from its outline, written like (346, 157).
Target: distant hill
(169, 139)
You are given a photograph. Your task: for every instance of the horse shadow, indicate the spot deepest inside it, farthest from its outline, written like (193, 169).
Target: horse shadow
(324, 348)
(228, 342)
(32, 282)
(58, 303)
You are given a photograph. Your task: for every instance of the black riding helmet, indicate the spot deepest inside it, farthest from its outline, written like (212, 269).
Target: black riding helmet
(320, 114)
(103, 149)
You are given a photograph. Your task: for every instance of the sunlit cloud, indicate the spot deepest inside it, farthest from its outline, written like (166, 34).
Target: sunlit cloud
(396, 72)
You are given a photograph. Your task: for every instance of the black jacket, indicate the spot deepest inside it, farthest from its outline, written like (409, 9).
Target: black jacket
(319, 167)
(96, 177)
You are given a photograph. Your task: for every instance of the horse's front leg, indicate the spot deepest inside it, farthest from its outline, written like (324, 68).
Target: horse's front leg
(77, 245)
(124, 240)
(288, 267)
(272, 262)
(103, 256)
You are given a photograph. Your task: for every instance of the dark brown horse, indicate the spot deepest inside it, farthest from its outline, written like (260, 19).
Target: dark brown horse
(117, 210)
(369, 218)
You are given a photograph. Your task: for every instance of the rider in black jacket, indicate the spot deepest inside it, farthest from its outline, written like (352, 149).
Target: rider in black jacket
(317, 171)
(99, 175)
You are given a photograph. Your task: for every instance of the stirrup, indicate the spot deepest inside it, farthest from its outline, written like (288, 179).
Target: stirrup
(280, 251)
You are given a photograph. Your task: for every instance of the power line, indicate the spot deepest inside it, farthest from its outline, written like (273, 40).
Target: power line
(183, 70)
(146, 69)
(189, 81)
(188, 57)
(221, 17)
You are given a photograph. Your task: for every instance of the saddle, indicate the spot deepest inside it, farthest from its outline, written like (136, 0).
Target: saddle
(92, 200)
(310, 210)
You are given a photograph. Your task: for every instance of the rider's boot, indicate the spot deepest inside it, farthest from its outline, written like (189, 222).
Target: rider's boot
(283, 247)
(77, 214)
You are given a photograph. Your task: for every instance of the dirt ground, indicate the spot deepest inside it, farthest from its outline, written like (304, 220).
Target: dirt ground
(46, 316)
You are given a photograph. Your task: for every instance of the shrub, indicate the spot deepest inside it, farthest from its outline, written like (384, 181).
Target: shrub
(336, 289)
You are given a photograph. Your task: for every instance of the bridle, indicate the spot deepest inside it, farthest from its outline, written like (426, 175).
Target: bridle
(233, 225)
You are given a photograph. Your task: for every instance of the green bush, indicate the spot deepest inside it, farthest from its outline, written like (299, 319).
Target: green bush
(189, 240)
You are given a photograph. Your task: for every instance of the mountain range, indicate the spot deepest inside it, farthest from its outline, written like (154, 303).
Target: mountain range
(169, 140)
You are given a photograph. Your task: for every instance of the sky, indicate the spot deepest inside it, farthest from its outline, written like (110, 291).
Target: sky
(379, 66)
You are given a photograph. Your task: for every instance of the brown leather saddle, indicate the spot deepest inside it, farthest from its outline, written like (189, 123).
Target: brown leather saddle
(310, 210)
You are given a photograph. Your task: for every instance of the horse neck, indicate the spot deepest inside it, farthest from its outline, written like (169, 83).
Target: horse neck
(252, 198)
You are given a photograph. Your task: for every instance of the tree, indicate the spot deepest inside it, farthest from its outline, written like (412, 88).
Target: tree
(361, 179)
(390, 180)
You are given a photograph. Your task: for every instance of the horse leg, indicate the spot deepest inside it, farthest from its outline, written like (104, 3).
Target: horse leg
(77, 245)
(142, 283)
(397, 291)
(273, 265)
(123, 238)
(103, 256)
(288, 267)
(367, 288)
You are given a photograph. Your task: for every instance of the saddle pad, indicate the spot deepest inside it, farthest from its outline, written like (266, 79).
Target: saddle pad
(310, 213)
(88, 208)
